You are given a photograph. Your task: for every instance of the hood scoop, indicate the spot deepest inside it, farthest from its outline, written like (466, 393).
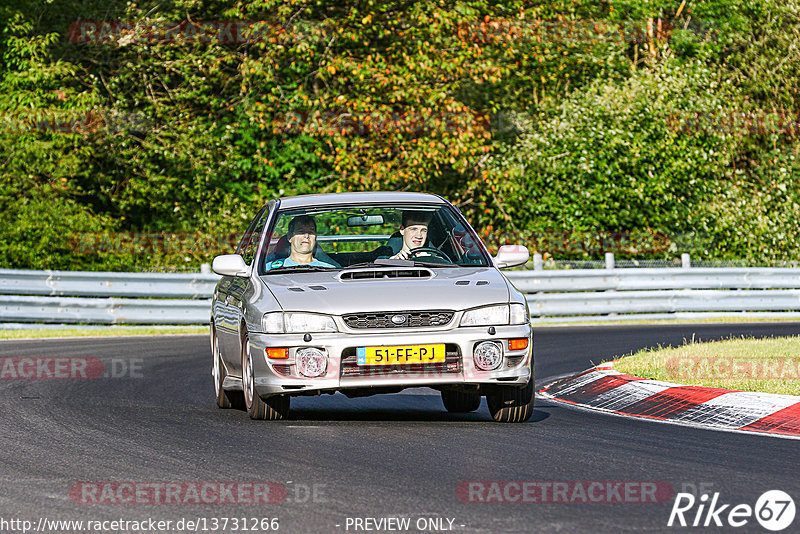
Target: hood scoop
(382, 274)
(300, 289)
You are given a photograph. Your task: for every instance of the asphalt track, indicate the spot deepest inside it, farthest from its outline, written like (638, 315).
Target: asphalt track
(384, 456)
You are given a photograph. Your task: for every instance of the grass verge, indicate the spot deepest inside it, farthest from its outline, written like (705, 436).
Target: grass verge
(768, 365)
(31, 333)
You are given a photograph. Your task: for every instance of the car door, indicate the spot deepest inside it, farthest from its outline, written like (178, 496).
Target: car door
(228, 312)
(238, 287)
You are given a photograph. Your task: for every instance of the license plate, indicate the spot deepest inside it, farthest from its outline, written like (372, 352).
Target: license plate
(400, 354)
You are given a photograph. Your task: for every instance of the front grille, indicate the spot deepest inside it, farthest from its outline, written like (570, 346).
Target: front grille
(451, 366)
(359, 321)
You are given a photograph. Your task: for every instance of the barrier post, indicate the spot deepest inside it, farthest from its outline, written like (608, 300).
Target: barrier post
(609, 260)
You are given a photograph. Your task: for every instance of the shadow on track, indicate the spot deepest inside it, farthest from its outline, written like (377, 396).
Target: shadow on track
(424, 408)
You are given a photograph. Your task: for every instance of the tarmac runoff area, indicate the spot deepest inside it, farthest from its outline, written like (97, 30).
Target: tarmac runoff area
(604, 389)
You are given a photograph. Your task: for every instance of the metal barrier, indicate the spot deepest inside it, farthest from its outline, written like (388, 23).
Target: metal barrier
(654, 279)
(558, 295)
(105, 298)
(101, 284)
(692, 293)
(26, 309)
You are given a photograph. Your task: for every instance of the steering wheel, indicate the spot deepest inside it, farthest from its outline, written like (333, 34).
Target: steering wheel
(434, 251)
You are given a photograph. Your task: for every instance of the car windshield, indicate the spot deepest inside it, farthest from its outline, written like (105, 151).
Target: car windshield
(320, 238)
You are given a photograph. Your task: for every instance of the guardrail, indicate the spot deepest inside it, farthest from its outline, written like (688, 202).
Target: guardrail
(658, 293)
(659, 279)
(26, 309)
(553, 295)
(105, 298)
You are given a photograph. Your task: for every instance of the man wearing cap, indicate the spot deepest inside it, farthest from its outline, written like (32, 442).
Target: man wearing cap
(414, 230)
(302, 236)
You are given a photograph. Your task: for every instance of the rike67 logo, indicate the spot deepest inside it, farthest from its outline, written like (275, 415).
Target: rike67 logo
(774, 510)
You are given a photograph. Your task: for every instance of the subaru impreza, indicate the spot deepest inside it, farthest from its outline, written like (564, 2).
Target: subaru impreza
(369, 293)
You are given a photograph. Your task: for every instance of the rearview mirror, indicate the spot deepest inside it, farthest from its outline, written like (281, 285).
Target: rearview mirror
(365, 220)
(511, 256)
(230, 265)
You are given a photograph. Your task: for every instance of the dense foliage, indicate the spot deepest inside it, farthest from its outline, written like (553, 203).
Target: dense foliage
(145, 135)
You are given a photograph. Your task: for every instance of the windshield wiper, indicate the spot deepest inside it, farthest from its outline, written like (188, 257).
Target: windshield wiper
(364, 264)
(388, 262)
(418, 263)
(382, 262)
(300, 269)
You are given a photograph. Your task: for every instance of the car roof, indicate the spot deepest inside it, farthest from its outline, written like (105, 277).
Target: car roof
(365, 197)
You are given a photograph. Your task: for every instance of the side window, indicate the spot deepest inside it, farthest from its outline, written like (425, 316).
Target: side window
(463, 242)
(249, 244)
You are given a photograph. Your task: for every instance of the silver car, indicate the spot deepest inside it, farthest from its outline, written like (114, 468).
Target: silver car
(365, 293)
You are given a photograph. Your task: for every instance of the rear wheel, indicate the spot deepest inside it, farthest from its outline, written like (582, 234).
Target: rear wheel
(274, 408)
(225, 399)
(460, 401)
(510, 404)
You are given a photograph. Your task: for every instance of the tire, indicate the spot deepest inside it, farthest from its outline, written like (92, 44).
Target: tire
(456, 401)
(274, 408)
(511, 404)
(225, 399)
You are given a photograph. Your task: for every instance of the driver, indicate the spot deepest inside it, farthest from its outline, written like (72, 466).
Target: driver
(302, 236)
(414, 230)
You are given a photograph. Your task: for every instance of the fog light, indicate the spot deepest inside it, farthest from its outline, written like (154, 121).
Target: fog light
(518, 344)
(488, 356)
(311, 362)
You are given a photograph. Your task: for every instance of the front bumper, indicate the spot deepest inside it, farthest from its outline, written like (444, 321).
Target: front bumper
(281, 376)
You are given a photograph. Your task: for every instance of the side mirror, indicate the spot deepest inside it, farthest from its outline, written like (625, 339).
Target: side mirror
(230, 265)
(511, 256)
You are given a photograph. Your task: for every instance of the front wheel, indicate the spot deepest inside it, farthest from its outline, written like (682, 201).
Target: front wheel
(510, 404)
(225, 399)
(274, 408)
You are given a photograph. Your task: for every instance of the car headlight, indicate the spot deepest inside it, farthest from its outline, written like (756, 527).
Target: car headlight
(272, 323)
(490, 315)
(519, 314)
(291, 322)
(308, 322)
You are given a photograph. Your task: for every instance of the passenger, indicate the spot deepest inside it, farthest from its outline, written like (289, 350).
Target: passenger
(414, 230)
(302, 237)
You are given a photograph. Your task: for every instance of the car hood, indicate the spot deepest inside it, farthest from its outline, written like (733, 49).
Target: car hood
(337, 293)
